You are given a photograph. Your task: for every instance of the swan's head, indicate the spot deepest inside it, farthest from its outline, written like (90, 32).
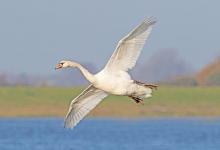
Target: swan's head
(65, 64)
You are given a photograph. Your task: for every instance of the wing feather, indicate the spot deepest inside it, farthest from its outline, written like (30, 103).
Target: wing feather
(82, 105)
(129, 48)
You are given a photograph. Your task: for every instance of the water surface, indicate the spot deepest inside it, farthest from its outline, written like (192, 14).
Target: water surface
(110, 134)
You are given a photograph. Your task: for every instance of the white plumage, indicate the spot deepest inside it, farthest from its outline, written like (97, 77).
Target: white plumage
(114, 78)
(129, 48)
(83, 104)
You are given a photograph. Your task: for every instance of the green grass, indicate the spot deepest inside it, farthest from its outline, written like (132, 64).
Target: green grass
(166, 101)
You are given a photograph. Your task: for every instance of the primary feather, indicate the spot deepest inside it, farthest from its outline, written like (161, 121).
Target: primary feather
(83, 104)
(129, 48)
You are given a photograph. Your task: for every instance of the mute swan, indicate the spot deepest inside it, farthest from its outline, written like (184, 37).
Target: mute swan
(114, 78)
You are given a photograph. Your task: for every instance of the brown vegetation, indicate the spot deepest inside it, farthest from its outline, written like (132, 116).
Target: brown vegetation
(206, 75)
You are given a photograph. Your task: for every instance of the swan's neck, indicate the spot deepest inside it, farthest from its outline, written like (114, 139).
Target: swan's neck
(90, 77)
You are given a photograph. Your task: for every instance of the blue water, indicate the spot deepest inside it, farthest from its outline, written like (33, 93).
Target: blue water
(110, 134)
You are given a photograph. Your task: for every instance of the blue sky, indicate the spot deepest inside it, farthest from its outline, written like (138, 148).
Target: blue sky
(35, 35)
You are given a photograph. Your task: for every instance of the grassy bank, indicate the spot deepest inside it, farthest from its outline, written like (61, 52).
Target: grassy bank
(167, 101)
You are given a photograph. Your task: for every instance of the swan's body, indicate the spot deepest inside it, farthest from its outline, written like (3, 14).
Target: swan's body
(115, 83)
(114, 78)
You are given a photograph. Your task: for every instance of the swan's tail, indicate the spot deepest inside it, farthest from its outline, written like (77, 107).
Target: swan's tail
(142, 90)
(148, 88)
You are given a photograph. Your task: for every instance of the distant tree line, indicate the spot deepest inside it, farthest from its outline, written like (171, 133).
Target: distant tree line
(164, 67)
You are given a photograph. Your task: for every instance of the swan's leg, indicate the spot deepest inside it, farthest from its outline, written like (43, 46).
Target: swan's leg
(137, 99)
(151, 86)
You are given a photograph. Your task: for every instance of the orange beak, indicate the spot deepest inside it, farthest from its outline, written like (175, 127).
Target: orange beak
(58, 66)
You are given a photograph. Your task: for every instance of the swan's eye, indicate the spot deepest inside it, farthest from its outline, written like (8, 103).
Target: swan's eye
(62, 63)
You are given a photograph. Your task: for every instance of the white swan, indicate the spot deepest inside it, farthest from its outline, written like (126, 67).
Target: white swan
(114, 78)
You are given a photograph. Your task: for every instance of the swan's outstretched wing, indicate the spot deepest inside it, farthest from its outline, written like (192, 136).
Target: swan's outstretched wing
(83, 104)
(129, 48)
